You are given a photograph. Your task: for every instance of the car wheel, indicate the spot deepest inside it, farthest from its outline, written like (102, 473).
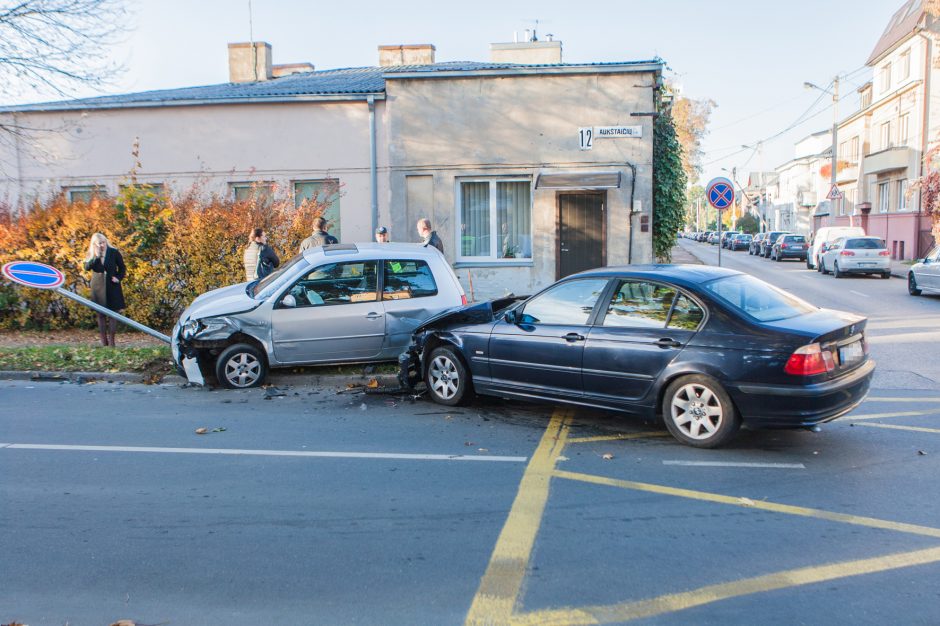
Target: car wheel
(822, 267)
(699, 413)
(778, 258)
(912, 285)
(241, 366)
(835, 270)
(446, 377)
(886, 275)
(809, 265)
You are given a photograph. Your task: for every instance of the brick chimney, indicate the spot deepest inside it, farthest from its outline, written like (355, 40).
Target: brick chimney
(249, 62)
(412, 54)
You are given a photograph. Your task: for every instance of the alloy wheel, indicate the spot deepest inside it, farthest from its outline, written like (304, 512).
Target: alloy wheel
(444, 377)
(242, 370)
(696, 411)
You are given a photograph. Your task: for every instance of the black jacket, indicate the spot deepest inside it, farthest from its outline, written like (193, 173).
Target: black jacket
(434, 240)
(105, 291)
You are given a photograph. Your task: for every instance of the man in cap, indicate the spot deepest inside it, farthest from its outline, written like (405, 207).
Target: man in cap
(381, 234)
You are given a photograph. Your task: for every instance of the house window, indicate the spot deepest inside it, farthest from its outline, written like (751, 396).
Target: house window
(903, 129)
(83, 193)
(884, 197)
(886, 135)
(495, 219)
(904, 65)
(853, 150)
(848, 202)
(843, 150)
(323, 192)
(261, 192)
(865, 100)
(902, 193)
(885, 77)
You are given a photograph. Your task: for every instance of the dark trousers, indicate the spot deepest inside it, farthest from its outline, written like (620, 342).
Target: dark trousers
(107, 327)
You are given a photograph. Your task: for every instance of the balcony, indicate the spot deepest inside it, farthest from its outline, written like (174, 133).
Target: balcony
(888, 160)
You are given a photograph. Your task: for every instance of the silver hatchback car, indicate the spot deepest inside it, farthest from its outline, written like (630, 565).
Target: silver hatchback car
(343, 303)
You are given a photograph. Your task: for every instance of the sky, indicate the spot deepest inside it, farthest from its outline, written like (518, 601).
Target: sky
(750, 58)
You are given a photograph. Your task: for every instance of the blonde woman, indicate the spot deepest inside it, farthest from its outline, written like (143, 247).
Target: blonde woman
(108, 270)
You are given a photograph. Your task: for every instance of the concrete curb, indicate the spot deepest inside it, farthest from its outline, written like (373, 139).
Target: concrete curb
(274, 378)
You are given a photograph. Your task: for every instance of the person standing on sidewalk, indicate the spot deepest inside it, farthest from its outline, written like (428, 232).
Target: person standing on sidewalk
(259, 259)
(319, 237)
(381, 234)
(108, 270)
(428, 236)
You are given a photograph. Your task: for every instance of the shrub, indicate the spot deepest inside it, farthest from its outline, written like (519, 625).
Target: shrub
(175, 248)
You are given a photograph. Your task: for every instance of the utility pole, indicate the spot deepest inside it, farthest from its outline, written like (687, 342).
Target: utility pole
(835, 143)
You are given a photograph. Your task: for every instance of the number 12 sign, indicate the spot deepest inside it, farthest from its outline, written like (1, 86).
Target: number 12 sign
(586, 137)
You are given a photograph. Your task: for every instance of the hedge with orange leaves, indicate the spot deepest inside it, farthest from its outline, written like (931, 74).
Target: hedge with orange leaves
(175, 248)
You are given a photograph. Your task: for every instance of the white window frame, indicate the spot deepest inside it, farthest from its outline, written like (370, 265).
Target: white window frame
(902, 192)
(884, 197)
(904, 65)
(93, 190)
(885, 78)
(258, 184)
(904, 129)
(854, 149)
(493, 257)
(886, 135)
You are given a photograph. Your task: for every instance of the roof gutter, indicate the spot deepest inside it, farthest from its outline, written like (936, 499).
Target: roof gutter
(530, 71)
(84, 106)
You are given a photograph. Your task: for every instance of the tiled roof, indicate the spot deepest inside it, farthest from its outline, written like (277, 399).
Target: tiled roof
(901, 24)
(356, 81)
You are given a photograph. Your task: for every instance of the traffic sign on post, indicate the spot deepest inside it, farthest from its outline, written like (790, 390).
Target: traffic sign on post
(835, 193)
(720, 193)
(34, 274)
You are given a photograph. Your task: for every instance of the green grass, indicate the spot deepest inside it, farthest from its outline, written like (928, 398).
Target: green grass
(87, 359)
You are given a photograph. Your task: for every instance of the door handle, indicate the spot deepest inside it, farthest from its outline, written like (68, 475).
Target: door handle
(667, 342)
(574, 337)
(373, 316)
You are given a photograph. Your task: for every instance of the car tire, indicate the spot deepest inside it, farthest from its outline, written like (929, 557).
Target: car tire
(699, 413)
(778, 258)
(835, 271)
(241, 366)
(822, 267)
(809, 265)
(447, 378)
(886, 275)
(912, 285)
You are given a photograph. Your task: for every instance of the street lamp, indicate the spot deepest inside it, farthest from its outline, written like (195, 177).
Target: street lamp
(835, 131)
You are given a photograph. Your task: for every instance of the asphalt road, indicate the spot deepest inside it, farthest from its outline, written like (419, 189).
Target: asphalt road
(338, 508)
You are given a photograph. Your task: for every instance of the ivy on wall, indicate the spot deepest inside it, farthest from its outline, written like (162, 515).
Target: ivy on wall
(669, 185)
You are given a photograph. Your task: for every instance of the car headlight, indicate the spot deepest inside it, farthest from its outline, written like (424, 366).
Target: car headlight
(190, 329)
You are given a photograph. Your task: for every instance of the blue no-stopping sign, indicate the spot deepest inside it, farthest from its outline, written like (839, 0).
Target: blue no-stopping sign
(33, 274)
(720, 193)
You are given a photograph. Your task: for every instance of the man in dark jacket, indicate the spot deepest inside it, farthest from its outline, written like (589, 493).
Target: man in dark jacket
(428, 236)
(319, 237)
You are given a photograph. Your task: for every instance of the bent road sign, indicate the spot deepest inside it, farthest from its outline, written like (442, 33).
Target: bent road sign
(720, 193)
(34, 274)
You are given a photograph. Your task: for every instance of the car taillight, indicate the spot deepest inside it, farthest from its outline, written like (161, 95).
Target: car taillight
(463, 299)
(809, 360)
(846, 253)
(884, 253)
(783, 246)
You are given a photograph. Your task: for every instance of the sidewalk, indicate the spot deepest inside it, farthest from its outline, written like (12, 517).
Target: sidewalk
(681, 255)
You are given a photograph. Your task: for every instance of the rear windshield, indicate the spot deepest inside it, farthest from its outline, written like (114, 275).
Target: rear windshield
(795, 238)
(754, 297)
(864, 244)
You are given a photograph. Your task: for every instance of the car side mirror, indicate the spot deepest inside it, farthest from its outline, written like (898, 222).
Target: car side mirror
(511, 316)
(924, 261)
(289, 301)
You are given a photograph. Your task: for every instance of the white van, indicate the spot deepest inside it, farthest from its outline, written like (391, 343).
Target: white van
(826, 235)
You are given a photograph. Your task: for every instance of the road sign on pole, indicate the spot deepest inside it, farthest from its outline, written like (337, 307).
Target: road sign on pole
(720, 193)
(835, 193)
(32, 274)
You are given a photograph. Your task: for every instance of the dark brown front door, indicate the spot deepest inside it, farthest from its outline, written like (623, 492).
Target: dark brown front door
(582, 241)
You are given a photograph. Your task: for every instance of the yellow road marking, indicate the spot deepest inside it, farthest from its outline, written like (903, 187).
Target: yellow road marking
(502, 581)
(878, 416)
(754, 504)
(917, 429)
(871, 399)
(714, 593)
(624, 437)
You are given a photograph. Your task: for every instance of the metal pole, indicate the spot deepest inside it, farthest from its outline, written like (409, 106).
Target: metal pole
(835, 139)
(373, 175)
(717, 210)
(115, 315)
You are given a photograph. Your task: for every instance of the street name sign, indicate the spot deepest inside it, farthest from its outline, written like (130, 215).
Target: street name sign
(617, 132)
(32, 274)
(720, 193)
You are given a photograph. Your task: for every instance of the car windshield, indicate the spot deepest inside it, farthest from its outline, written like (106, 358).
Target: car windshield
(757, 299)
(865, 244)
(258, 289)
(795, 238)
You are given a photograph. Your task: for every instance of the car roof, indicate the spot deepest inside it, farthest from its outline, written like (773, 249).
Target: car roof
(680, 274)
(372, 249)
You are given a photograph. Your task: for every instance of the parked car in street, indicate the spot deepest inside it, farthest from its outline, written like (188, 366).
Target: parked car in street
(706, 348)
(342, 303)
(924, 275)
(789, 247)
(741, 241)
(825, 236)
(856, 255)
(754, 247)
(726, 238)
(767, 242)
(713, 238)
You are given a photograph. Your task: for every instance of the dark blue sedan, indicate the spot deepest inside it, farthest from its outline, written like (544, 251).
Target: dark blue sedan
(705, 348)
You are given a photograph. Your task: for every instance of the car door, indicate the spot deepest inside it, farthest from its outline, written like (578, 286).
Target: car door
(643, 328)
(410, 295)
(336, 315)
(831, 255)
(928, 275)
(540, 349)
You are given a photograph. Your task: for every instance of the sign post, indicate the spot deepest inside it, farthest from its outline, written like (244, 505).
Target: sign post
(720, 194)
(42, 276)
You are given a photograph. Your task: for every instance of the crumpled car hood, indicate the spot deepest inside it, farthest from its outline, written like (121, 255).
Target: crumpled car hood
(225, 301)
(478, 313)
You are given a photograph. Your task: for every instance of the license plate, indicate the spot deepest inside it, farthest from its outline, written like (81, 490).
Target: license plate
(851, 353)
(865, 264)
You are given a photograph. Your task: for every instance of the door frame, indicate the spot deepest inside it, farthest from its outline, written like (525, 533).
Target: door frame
(584, 192)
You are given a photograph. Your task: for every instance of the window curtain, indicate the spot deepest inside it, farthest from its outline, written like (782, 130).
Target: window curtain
(513, 210)
(475, 219)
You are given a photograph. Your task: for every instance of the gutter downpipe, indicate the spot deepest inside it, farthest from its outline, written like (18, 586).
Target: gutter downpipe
(925, 129)
(372, 166)
(632, 191)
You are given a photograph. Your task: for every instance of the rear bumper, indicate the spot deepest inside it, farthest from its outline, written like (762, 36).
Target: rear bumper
(799, 406)
(856, 268)
(796, 254)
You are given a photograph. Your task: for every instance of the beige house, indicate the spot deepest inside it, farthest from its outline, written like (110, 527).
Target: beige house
(529, 169)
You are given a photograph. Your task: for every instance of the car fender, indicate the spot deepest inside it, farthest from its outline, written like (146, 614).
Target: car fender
(674, 371)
